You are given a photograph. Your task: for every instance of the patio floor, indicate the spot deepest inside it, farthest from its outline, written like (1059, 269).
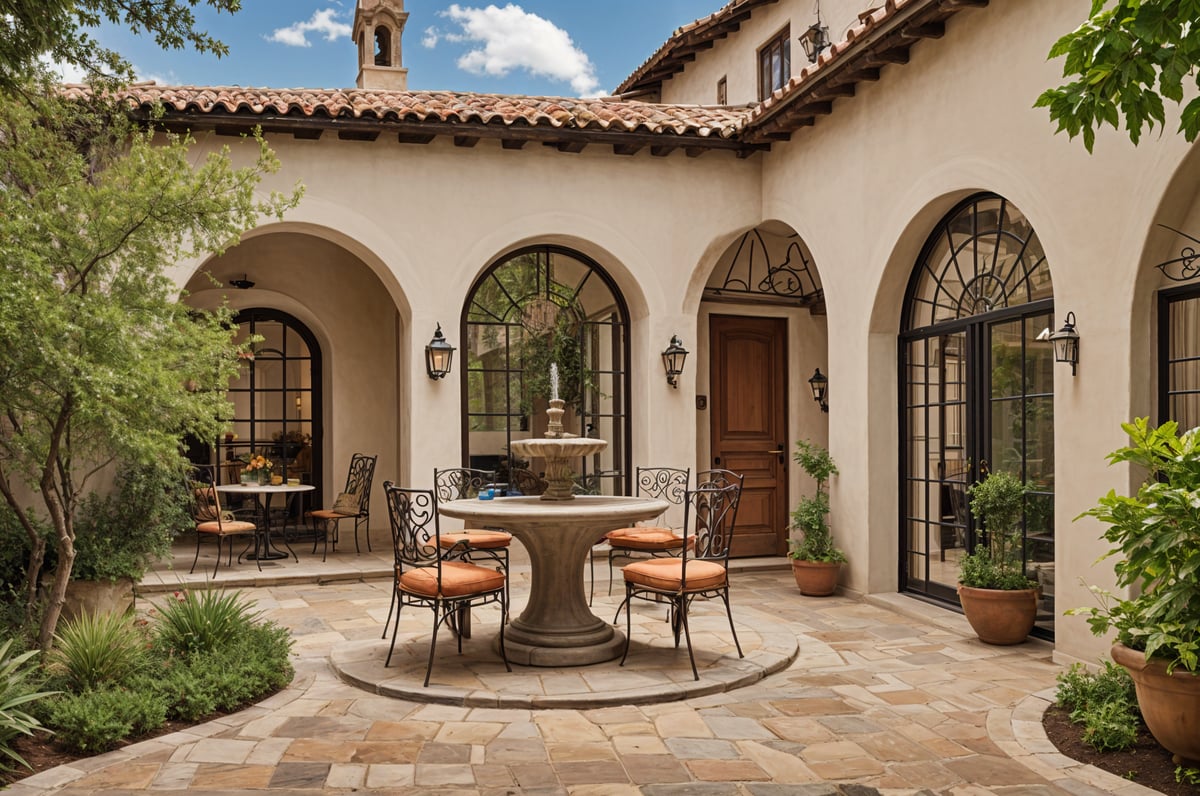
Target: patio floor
(885, 693)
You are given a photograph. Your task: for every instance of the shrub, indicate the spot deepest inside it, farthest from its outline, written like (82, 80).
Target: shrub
(201, 621)
(98, 649)
(1104, 702)
(118, 535)
(810, 518)
(997, 501)
(96, 720)
(15, 691)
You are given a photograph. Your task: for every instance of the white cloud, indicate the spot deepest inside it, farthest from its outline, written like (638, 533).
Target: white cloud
(510, 38)
(67, 73)
(431, 38)
(322, 22)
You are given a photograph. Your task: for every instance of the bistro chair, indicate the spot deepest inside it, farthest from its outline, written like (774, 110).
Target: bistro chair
(700, 571)
(469, 544)
(525, 482)
(213, 521)
(664, 483)
(424, 577)
(352, 503)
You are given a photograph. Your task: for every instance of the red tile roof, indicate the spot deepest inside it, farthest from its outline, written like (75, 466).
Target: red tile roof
(446, 107)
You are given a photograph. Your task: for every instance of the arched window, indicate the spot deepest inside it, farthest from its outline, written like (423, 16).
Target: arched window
(383, 46)
(535, 307)
(277, 398)
(977, 391)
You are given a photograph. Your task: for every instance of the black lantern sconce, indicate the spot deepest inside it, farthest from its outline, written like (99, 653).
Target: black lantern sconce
(820, 386)
(242, 284)
(673, 359)
(438, 355)
(1066, 343)
(815, 39)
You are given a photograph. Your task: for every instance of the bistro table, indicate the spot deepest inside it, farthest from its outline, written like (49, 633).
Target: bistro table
(557, 628)
(263, 550)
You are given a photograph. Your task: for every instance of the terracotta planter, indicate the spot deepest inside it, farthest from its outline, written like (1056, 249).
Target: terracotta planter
(816, 578)
(1170, 703)
(999, 616)
(98, 597)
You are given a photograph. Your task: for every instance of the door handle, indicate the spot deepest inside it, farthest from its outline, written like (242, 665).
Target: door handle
(780, 451)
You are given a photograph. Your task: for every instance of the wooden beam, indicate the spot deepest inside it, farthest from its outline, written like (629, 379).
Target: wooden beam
(818, 108)
(840, 90)
(694, 151)
(865, 73)
(895, 55)
(414, 138)
(957, 4)
(626, 149)
(573, 147)
(662, 151)
(466, 141)
(930, 30)
(512, 143)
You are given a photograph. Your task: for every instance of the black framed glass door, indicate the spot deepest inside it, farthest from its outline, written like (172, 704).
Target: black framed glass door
(977, 395)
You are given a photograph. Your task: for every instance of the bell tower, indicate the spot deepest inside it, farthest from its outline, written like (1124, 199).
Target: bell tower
(378, 26)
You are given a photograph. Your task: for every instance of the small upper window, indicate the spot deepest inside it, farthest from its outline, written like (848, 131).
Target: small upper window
(774, 63)
(722, 92)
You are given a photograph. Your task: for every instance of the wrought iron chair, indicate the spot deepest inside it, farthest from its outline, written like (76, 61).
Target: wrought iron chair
(526, 482)
(700, 571)
(469, 544)
(213, 521)
(423, 577)
(664, 483)
(354, 503)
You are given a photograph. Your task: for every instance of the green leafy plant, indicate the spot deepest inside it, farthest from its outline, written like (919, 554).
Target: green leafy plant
(99, 719)
(996, 563)
(198, 621)
(16, 690)
(120, 534)
(98, 649)
(813, 540)
(1103, 701)
(1155, 537)
(1187, 776)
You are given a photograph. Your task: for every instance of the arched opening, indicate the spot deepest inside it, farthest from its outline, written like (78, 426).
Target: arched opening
(976, 393)
(534, 307)
(383, 46)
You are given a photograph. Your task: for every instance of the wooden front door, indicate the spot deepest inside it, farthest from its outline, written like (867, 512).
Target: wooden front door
(749, 425)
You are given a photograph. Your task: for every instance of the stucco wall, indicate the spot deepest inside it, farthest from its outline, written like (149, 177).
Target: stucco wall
(414, 225)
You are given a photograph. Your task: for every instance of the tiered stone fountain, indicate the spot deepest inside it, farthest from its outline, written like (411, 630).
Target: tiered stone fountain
(558, 448)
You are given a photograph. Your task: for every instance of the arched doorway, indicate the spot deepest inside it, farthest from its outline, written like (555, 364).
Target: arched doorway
(977, 392)
(277, 399)
(531, 308)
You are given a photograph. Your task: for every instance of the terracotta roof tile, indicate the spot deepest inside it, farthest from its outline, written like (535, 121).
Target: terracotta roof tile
(604, 114)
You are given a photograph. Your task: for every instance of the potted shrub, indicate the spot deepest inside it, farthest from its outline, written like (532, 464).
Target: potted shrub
(816, 562)
(1155, 536)
(999, 600)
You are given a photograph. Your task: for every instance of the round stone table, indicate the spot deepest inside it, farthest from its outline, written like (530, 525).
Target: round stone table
(557, 628)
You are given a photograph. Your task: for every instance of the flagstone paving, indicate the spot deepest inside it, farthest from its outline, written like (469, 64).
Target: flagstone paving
(880, 695)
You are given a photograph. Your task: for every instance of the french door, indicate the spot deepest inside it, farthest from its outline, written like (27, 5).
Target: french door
(980, 398)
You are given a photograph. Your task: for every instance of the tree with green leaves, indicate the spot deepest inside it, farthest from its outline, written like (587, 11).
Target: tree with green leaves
(1123, 60)
(58, 30)
(100, 360)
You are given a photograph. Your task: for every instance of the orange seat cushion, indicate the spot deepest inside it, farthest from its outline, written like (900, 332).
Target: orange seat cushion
(459, 579)
(329, 514)
(475, 538)
(644, 539)
(667, 574)
(226, 528)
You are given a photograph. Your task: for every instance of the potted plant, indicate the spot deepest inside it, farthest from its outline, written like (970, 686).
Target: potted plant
(999, 600)
(1155, 536)
(816, 562)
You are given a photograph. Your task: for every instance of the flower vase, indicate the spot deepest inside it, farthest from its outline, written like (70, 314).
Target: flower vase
(248, 477)
(264, 477)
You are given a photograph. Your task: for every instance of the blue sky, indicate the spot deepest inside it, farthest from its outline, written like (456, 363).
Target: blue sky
(536, 47)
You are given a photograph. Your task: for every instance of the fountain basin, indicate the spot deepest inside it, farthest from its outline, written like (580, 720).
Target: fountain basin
(559, 454)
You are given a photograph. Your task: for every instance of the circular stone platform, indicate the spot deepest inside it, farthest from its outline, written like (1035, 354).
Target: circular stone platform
(654, 672)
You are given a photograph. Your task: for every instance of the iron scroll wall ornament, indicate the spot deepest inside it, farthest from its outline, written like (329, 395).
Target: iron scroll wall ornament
(1184, 267)
(751, 274)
